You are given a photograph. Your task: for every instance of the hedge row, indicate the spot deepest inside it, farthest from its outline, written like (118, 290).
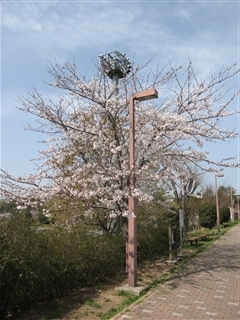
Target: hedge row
(38, 265)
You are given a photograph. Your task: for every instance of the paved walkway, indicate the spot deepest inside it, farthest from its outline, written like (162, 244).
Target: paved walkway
(208, 287)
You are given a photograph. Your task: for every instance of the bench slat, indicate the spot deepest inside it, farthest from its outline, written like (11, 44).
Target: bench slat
(199, 237)
(203, 236)
(193, 239)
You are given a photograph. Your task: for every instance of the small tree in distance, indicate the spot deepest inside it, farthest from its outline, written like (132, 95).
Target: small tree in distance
(207, 215)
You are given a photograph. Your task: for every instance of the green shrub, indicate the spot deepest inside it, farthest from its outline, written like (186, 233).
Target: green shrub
(6, 207)
(152, 232)
(38, 264)
(224, 214)
(152, 242)
(42, 218)
(207, 215)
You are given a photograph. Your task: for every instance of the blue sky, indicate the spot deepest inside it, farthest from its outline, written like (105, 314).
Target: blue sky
(33, 32)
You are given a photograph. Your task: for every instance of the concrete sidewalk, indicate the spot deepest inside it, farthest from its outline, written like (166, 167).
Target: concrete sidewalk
(208, 287)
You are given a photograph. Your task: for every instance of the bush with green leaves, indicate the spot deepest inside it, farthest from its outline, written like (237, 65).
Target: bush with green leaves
(7, 207)
(38, 264)
(207, 215)
(224, 214)
(43, 219)
(152, 231)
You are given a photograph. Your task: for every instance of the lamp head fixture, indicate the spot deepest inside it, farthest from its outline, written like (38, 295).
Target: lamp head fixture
(146, 95)
(115, 64)
(219, 175)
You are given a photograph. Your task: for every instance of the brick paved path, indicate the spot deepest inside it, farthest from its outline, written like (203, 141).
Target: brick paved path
(208, 287)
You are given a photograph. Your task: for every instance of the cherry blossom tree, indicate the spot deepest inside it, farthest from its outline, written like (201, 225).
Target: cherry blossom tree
(186, 189)
(84, 168)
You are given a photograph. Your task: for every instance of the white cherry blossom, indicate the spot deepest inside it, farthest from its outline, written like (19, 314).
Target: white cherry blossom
(85, 166)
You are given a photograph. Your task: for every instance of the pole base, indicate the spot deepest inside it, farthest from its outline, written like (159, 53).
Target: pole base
(134, 290)
(172, 261)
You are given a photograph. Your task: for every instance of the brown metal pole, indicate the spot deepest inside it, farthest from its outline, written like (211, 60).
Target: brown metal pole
(170, 242)
(217, 206)
(232, 207)
(131, 246)
(132, 222)
(238, 200)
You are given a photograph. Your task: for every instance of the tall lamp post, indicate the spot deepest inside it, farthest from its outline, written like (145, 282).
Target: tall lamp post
(232, 204)
(238, 200)
(131, 246)
(217, 205)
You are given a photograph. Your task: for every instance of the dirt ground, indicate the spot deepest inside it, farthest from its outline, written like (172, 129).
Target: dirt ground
(91, 304)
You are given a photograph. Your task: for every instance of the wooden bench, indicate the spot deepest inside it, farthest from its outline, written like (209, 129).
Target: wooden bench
(192, 239)
(225, 225)
(203, 236)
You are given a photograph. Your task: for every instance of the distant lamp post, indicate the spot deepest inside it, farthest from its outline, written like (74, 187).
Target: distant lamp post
(131, 246)
(232, 204)
(217, 205)
(238, 203)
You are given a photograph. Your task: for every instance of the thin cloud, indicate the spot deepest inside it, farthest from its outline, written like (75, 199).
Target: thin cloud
(52, 28)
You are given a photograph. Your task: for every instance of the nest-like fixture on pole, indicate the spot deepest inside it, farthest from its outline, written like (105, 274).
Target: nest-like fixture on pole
(115, 64)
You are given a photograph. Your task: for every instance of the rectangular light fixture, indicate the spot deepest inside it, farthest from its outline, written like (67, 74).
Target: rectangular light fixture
(220, 175)
(146, 95)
